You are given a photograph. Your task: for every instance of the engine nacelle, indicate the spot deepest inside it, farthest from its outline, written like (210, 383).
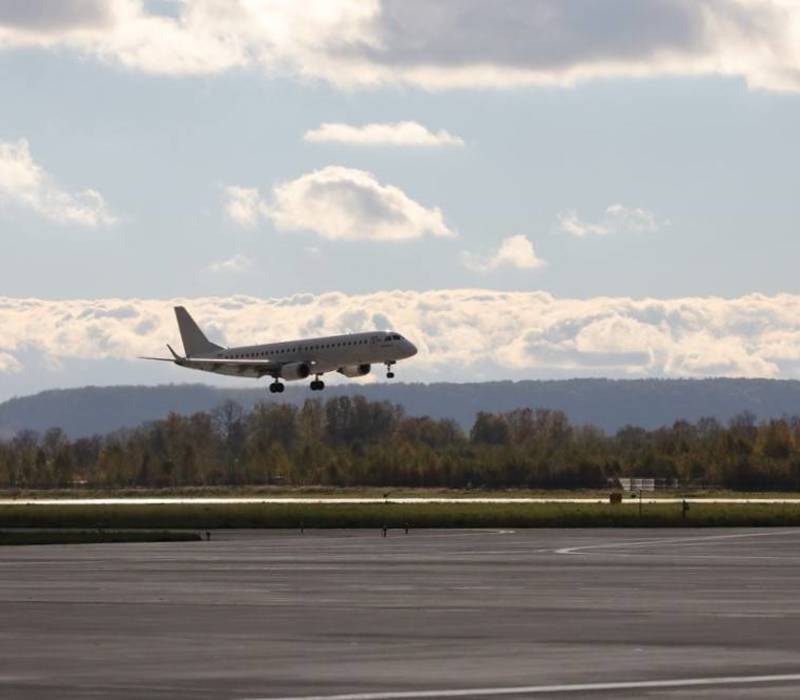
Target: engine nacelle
(354, 370)
(295, 370)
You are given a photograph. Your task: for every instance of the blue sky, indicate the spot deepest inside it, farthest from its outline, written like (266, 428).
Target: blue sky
(597, 150)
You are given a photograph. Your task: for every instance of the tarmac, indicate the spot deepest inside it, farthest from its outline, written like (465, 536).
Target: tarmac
(433, 614)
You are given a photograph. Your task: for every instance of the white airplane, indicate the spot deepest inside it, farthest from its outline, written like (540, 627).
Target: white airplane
(351, 355)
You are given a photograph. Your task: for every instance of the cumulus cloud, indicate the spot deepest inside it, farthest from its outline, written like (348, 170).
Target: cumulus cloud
(243, 205)
(390, 134)
(25, 184)
(616, 219)
(514, 251)
(233, 265)
(340, 204)
(462, 334)
(431, 43)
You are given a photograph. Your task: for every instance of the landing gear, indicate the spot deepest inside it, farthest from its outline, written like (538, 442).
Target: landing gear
(389, 373)
(276, 387)
(317, 384)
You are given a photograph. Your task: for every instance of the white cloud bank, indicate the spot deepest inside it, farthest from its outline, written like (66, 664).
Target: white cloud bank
(462, 335)
(26, 185)
(388, 134)
(616, 219)
(431, 43)
(514, 251)
(339, 204)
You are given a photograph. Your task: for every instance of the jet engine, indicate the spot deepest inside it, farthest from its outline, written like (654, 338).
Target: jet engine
(295, 370)
(354, 370)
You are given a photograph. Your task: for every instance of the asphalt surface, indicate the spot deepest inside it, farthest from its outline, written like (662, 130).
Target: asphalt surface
(537, 613)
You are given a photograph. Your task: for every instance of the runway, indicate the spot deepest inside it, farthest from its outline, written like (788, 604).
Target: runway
(432, 614)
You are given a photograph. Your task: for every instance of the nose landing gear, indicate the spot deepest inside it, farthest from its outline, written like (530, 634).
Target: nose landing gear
(389, 373)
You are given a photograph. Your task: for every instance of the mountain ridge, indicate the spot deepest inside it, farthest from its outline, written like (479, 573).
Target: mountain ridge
(606, 403)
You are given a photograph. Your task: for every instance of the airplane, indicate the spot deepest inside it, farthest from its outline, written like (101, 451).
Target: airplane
(351, 355)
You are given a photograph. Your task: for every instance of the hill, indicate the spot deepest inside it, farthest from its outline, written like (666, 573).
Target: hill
(609, 404)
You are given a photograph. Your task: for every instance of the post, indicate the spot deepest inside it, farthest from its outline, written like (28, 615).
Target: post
(640, 502)
(384, 529)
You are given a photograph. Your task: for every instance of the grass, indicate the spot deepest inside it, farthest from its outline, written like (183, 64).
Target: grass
(447, 515)
(367, 492)
(24, 537)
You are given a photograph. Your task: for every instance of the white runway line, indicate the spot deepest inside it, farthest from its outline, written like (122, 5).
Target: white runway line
(579, 549)
(543, 689)
(221, 500)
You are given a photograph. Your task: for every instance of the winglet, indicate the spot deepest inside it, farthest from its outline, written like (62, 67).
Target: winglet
(174, 354)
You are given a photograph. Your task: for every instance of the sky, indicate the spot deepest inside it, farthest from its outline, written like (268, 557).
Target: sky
(524, 188)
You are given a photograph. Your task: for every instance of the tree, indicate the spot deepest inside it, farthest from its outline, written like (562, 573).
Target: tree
(490, 429)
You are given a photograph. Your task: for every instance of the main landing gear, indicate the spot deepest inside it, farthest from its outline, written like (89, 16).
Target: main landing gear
(317, 384)
(276, 387)
(389, 373)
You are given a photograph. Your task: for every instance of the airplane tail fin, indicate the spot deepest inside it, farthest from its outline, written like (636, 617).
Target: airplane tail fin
(194, 341)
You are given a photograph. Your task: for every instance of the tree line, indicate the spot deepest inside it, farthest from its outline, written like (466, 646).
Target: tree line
(348, 441)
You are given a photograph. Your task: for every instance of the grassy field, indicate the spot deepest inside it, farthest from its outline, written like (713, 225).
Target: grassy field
(368, 492)
(206, 517)
(23, 537)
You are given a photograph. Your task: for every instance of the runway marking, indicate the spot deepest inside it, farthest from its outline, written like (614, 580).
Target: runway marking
(672, 540)
(543, 689)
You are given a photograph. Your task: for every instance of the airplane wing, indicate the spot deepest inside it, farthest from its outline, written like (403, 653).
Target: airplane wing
(221, 365)
(249, 367)
(246, 368)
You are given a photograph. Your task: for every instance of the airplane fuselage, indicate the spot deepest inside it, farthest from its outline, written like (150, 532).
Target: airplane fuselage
(351, 355)
(321, 355)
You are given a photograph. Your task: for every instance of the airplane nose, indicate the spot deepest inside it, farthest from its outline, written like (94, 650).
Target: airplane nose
(411, 349)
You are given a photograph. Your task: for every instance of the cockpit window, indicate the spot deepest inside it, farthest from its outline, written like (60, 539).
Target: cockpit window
(394, 336)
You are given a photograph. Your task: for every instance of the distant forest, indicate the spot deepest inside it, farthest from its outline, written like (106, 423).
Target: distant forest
(609, 404)
(351, 441)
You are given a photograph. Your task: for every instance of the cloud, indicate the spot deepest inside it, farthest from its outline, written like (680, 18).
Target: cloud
(617, 219)
(340, 204)
(514, 251)
(390, 134)
(233, 265)
(25, 184)
(465, 334)
(243, 205)
(54, 17)
(9, 364)
(428, 43)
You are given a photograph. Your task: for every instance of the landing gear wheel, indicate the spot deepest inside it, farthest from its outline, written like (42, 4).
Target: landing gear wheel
(389, 373)
(317, 385)
(276, 387)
